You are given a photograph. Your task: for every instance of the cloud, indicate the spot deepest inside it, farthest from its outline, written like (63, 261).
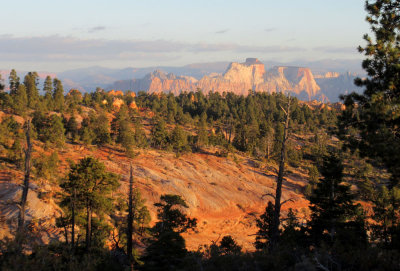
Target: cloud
(270, 29)
(222, 31)
(336, 50)
(58, 48)
(96, 29)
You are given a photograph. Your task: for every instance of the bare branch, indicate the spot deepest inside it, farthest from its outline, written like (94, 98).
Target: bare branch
(286, 201)
(268, 194)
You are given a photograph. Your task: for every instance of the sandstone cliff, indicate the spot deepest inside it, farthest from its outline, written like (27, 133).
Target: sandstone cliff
(238, 78)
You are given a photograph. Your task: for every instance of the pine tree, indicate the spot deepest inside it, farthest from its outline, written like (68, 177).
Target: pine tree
(58, 95)
(90, 185)
(202, 134)
(101, 128)
(313, 177)
(371, 120)
(55, 132)
(386, 215)
(5, 98)
(293, 236)
(168, 248)
(48, 92)
(178, 140)
(71, 128)
(159, 134)
(2, 86)
(141, 140)
(31, 82)
(228, 246)
(49, 128)
(122, 130)
(335, 218)
(20, 100)
(13, 80)
(265, 228)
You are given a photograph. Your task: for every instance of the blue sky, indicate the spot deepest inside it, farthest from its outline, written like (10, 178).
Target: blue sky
(58, 35)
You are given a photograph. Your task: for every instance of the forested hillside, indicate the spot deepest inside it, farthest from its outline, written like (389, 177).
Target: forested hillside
(124, 181)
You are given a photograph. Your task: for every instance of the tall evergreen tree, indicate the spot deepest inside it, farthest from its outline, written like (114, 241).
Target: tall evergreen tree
(13, 80)
(265, 228)
(48, 92)
(202, 134)
(20, 100)
(386, 214)
(371, 120)
(71, 128)
(2, 86)
(100, 126)
(91, 185)
(141, 140)
(55, 133)
(31, 81)
(335, 218)
(178, 139)
(159, 134)
(58, 95)
(168, 248)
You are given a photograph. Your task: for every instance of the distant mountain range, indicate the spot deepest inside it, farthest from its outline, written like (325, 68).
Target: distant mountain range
(239, 78)
(323, 80)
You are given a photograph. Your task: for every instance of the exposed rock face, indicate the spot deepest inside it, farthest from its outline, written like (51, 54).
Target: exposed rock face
(117, 103)
(327, 75)
(238, 78)
(224, 195)
(299, 81)
(342, 84)
(116, 93)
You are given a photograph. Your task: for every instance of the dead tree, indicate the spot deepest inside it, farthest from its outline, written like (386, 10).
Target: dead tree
(73, 219)
(130, 221)
(25, 186)
(278, 193)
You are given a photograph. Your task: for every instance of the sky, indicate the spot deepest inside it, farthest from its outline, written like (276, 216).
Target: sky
(57, 35)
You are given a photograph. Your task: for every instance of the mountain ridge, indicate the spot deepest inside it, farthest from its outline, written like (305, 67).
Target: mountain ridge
(238, 78)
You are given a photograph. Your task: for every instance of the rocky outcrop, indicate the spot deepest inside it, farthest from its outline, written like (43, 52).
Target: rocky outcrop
(296, 80)
(239, 78)
(225, 195)
(327, 75)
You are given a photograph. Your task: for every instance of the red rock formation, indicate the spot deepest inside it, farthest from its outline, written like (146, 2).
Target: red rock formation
(116, 93)
(117, 103)
(133, 105)
(327, 75)
(239, 78)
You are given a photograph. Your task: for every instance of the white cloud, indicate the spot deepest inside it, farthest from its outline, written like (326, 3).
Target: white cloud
(96, 29)
(57, 48)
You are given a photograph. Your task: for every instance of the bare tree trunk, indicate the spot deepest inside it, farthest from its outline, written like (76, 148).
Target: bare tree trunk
(278, 194)
(65, 229)
(230, 130)
(25, 187)
(88, 226)
(130, 220)
(332, 197)
(73, 220)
